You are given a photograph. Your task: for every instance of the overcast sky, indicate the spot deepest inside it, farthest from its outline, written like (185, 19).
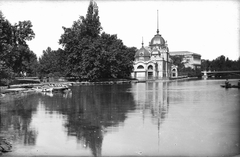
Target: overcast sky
(209, 28)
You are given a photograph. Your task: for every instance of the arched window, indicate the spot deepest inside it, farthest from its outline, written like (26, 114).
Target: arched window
(174, 70)
(150, 67)
(140, 67)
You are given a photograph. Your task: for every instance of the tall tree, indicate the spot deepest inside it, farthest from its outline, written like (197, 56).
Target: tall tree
(31, 64)
(205, 65)
(91, 25)
(5, 47)
(92, 55)
(77, 42)
(22, 32)
(14, 51)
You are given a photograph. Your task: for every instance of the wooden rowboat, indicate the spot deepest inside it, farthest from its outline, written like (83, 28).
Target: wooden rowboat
(229, 86)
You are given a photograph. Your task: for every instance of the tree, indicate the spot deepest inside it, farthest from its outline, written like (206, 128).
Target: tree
(52, 62)
(177, 60)
(205, 65)
(116, 58)
(21, 54)
(22, 32)
(32, 65)
(91, 25)
(92, 56)
(15, 53)
(221, 63)
(5, 47)
(78, 39)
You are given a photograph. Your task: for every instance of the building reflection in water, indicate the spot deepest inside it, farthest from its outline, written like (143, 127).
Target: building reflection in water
(153, 97)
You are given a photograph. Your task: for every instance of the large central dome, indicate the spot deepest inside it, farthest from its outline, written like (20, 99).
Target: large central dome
(157, 40)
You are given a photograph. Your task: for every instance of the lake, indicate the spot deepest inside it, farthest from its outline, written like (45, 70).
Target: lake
(179, 118)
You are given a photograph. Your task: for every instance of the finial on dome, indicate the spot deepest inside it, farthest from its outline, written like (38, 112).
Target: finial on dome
(142, 41)
(157, 23)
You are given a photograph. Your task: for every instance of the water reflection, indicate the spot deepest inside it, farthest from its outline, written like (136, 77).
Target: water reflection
(64, 94)
(16, 117)
(152, 96)
(194, 118)
(91, 111)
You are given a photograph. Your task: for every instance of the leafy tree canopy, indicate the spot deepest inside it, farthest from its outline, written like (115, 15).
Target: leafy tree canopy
(15, 54)
(92, 55)
(52, 62)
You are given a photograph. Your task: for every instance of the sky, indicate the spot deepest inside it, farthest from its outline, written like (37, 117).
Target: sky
(209, 28)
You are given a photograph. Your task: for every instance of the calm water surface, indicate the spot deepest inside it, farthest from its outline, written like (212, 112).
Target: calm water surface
(182, 118)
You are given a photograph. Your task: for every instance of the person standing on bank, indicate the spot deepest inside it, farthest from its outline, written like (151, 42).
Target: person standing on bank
(227, 83)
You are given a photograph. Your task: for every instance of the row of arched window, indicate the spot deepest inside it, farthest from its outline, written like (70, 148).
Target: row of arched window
(150, 67)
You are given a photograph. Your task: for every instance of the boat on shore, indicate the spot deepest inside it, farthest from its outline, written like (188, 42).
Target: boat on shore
(53, 88)
(32, 88)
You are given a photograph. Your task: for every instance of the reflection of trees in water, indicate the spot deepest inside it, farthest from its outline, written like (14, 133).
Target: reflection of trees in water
(16, 116)
(91, 110)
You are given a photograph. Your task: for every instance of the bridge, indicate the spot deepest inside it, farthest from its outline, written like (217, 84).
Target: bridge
(219, 74)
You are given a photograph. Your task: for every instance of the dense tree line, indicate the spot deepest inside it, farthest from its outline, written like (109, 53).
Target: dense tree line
(87, 53)
(15, 56)
(221, 63)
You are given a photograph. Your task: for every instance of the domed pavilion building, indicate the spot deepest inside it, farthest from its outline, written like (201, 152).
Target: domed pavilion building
(152, 62)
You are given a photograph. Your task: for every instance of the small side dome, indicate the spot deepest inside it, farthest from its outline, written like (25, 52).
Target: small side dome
(142, 53)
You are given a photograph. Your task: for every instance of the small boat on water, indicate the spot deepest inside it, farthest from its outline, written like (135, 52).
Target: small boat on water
(229, 86)
(59, 89)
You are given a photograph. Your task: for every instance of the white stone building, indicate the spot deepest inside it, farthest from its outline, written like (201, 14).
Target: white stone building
(153, 62)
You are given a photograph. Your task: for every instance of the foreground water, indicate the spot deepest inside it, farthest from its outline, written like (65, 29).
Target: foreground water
(182, 118)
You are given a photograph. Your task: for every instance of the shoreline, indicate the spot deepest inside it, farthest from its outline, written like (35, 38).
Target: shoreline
(27, 87)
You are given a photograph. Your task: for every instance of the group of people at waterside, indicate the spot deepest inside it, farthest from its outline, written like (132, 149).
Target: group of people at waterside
(229, 85)
(51, 88)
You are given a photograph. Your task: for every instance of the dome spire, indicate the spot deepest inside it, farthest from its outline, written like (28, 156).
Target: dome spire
(157, 23)
(142, 42)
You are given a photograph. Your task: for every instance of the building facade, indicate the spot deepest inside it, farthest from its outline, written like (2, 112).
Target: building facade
(152, 62)
(190, 59)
